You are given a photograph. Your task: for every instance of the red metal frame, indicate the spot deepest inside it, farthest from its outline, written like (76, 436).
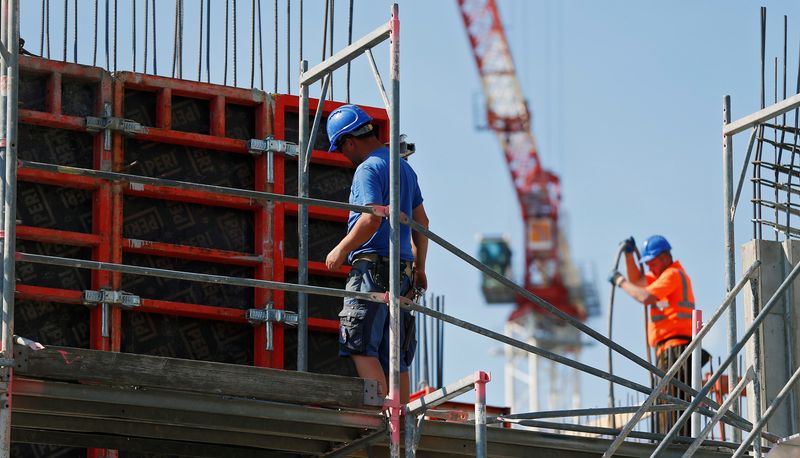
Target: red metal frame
(262, 260)
(98, 240)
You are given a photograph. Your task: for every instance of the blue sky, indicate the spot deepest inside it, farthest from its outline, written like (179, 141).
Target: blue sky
(626, 99)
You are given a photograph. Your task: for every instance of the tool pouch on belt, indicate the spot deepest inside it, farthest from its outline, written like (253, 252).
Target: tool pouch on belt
(380, 274)
(410, 336)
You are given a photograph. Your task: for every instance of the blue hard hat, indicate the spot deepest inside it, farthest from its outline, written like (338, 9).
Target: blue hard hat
(654, 246)
(347, 119)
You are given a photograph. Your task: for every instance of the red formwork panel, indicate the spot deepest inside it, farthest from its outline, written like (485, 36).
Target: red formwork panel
(195, 132)
(58, 214)
(330, 177)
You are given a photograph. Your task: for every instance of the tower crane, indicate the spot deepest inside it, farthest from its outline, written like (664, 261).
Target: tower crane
(537, 189)
(549, 271)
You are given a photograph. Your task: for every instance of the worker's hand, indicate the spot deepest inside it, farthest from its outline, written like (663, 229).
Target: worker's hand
(420, 279)
(615, 278)
(335, 258)
(629, 245)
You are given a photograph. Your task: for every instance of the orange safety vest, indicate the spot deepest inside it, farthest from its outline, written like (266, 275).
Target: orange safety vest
(671, 318)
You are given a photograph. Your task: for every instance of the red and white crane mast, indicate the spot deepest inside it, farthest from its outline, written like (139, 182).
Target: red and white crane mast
(537, 189)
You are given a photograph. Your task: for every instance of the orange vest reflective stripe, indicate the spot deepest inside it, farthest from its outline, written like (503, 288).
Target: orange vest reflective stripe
(672, 319)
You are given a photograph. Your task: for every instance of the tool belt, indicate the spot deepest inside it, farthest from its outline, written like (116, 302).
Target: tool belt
(381, 268)
(380, 272)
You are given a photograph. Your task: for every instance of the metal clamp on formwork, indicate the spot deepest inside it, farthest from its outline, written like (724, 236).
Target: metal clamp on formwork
(268, 316)
(109, 123)
(126, 126)
(271, 145)
(105, 296)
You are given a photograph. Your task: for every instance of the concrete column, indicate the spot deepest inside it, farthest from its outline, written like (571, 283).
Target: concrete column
(777, 337)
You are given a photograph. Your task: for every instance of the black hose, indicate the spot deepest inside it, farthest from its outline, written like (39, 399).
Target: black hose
(611, 400)
(611, 397)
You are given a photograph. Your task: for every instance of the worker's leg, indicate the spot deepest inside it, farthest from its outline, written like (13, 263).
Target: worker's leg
(361, 325)
(369, 367)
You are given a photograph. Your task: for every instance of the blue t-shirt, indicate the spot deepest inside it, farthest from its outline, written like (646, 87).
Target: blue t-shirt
(371, 186)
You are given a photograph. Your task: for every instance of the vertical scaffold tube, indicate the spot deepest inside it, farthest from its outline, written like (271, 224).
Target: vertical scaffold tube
(10, 195)
(3, 108)
(481, 378)
(5, 414)
(11, 37)
(302, 227)
(394, 240)
(697, 355)
(730, 250)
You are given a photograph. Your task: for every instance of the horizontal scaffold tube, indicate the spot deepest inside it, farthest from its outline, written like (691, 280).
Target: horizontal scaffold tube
(188, 186)
(192, 276)
(744, 424)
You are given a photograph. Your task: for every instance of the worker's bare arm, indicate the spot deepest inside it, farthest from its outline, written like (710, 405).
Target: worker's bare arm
(419, 245)
(634, 274)
(365, 227)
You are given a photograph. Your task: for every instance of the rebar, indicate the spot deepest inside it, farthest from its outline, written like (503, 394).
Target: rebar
(155, 44)
(200, 44)
(146, 30)
(66, 25)
(133, 34)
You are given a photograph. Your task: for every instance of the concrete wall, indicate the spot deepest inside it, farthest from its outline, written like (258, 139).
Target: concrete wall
(778, 332)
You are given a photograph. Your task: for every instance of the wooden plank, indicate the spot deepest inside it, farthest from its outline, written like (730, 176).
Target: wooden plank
(173, 417)
(199, 403)
(153, 431)
(124, 369)
(124, 443)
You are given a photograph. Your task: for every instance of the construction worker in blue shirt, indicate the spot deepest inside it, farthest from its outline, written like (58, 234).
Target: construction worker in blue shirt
(364, 325)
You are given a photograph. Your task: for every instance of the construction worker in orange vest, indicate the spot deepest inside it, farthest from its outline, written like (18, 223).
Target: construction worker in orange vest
(667, 291)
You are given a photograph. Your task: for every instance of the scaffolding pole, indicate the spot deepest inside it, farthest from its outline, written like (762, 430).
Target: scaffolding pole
(303, 144)
(389, 30)
(394, 239)
(11, 85)
(730, 250)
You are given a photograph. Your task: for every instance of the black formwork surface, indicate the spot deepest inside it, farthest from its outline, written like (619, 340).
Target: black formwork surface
(323, 236)
(323, 353)
(197, 225)
(54, 207)
(20, 450)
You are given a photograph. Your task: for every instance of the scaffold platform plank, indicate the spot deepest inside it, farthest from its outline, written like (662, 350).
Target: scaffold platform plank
(71, 397)
(125, 369)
